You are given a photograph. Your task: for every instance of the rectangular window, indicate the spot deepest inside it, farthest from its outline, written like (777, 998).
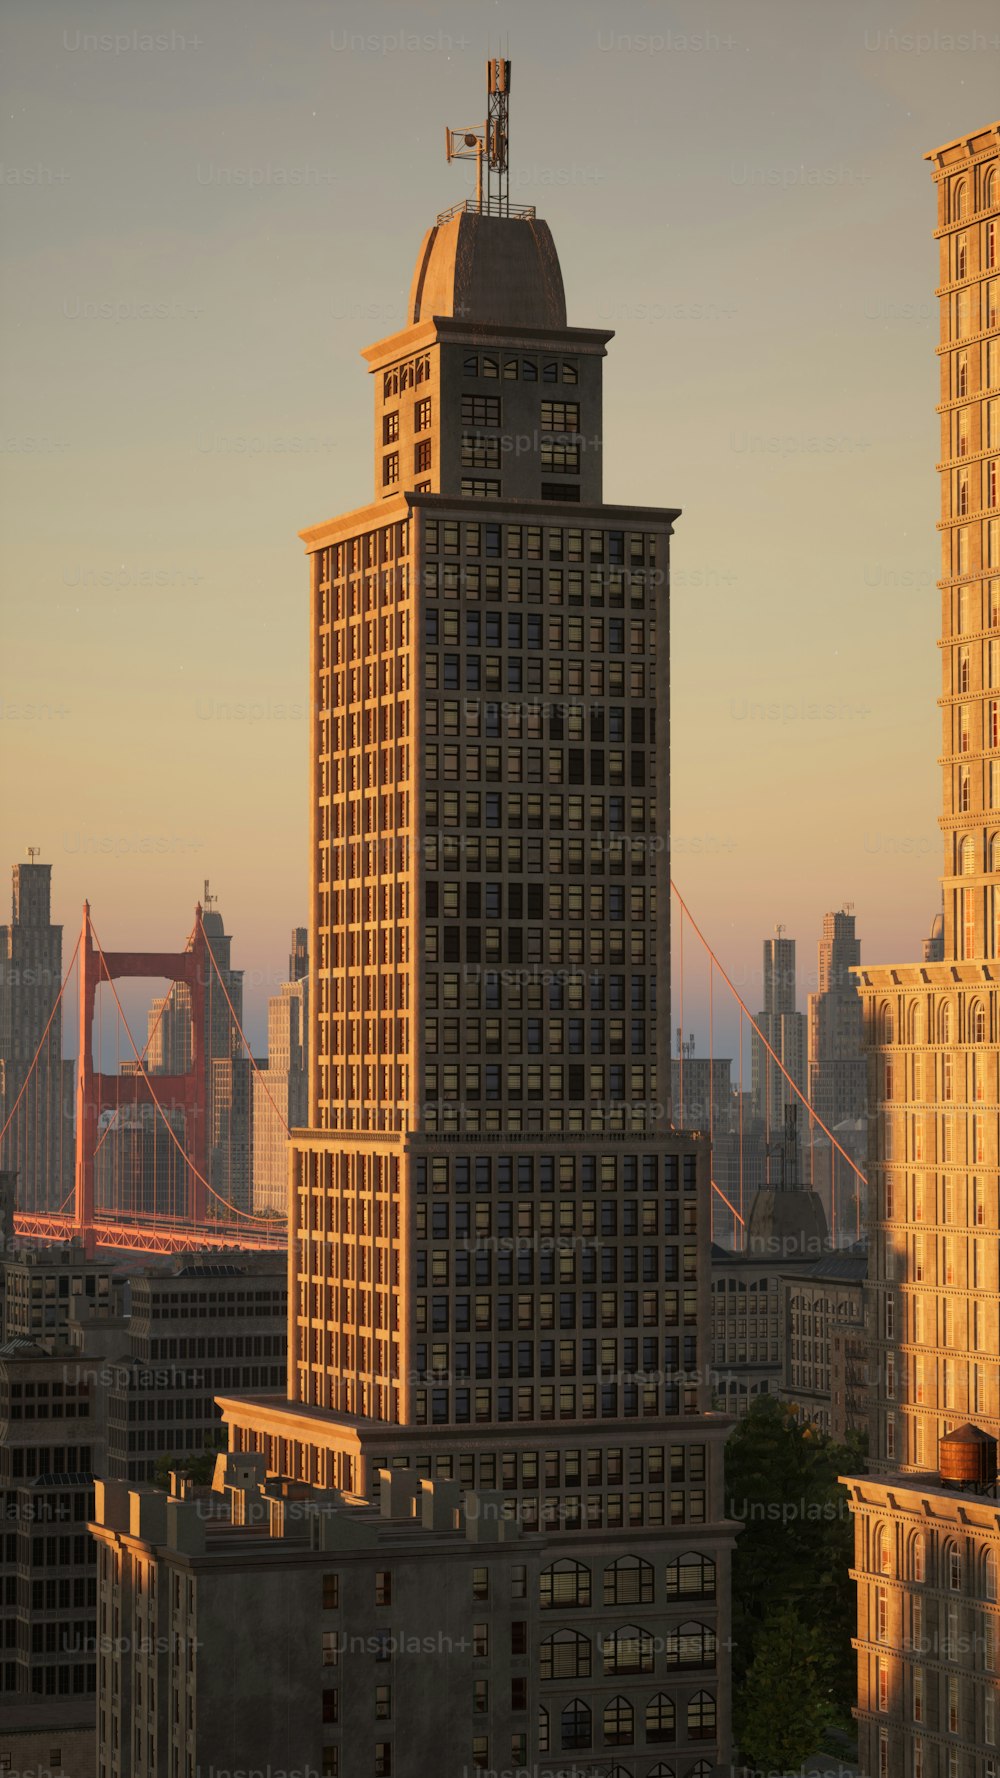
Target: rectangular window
(390, 469)
(390, 427)
(560, 416)
(559, 458)
(422, 414)
(481, 410)
(480, 451)
(474, 489)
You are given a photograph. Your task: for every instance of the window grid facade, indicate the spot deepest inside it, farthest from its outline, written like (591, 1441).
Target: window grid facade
(933, 1041)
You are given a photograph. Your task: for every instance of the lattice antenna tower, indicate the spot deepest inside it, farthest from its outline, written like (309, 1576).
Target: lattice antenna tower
(488, 143)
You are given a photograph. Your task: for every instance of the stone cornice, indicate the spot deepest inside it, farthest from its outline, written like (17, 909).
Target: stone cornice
(886, 978)
(456, 332)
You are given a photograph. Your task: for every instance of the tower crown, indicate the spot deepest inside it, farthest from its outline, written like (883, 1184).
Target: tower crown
(500, 270)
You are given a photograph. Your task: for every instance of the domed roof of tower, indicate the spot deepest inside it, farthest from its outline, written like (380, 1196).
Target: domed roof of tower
(499, 270)
(787, 1224)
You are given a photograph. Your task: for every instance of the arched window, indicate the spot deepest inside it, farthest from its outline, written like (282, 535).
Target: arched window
(995, 852)
(575, 1725)
(691, 1576)
(968, 866)
(947, 1022)
(702, 1768)
(882, 1553)
(701, 1717)
(963, 507)
(691, 1645)
(470, 366)
(628, 1650)
(564, 1583)
(660, 1770)
(953, 1567)
(918, 1557)
(543, 1730)
(619, 1723)
(989, 190)
(978, 1023)
(887, 1023)
(959, 201)
(566, 1655)
(629, 1581)
(990, 1575)
(490, 367)
(529, 370)
(510, 369)
(661, 1718)
(919, 1023)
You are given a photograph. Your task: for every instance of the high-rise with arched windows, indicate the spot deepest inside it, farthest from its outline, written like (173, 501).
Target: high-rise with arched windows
(927, 1520)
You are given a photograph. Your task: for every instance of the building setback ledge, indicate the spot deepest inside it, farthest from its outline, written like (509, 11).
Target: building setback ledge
(926, 1498)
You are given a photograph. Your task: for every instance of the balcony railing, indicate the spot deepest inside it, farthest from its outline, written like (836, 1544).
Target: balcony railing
(489, 207)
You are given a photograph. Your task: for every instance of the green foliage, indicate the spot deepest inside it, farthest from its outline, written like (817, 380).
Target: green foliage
(793, 1556)
(784, 1704)
(200, 1466)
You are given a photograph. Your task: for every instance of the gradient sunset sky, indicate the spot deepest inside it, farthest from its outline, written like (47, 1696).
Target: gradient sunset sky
(210, 209)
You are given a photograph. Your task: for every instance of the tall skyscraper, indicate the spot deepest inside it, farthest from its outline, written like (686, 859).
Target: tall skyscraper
(281, 1090)
(499, 1244)
(785, 1031)
(229, 1090)
(928, 1534)
(837, 1073)
(39, 1144)
(837, 1069)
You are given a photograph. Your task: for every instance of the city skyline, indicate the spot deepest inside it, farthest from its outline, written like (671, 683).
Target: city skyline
(133, 826)
(613, 694)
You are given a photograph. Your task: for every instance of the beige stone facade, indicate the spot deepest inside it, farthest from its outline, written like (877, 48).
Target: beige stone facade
(932, 1033)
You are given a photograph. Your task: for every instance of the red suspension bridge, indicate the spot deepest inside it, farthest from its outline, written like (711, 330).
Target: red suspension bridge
(171, 1108)
(179, 1208)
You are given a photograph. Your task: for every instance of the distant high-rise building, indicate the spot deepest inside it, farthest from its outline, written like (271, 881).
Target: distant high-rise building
(701, 1092)
(927, 1531)
(837, 1068)
(703, 1098)
(139, 1166)
(785, 1031)
(168, 1027)
(229, 1090)
(39, 1146)
(281, 1090)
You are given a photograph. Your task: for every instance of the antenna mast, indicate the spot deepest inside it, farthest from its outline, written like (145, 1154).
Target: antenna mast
(487, 142)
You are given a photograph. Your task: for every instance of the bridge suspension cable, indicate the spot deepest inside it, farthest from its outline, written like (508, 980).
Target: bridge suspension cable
(815, 1121)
